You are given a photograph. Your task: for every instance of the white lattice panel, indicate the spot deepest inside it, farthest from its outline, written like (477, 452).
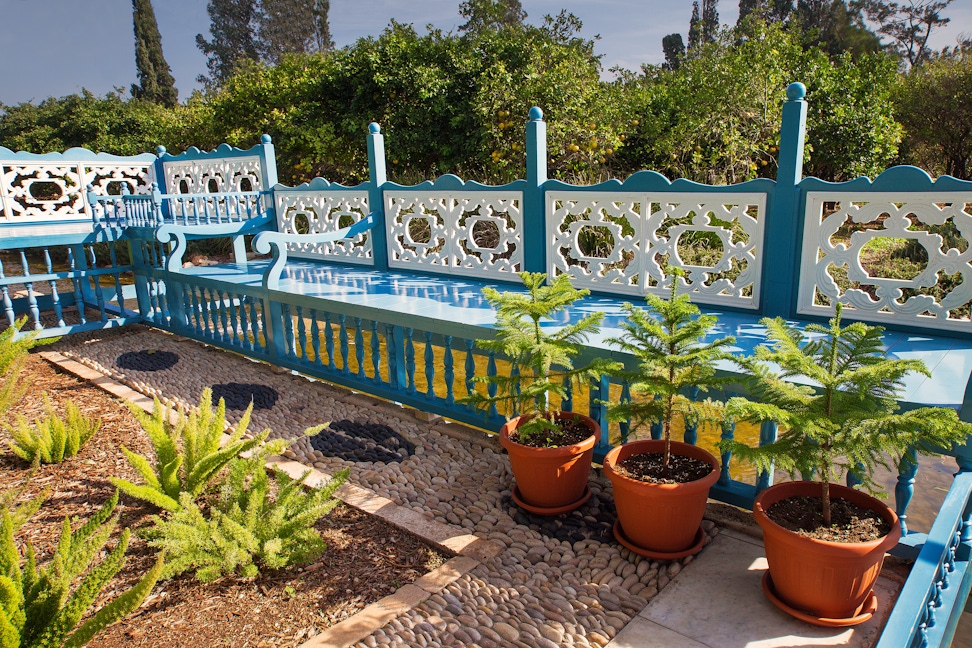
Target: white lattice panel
(220, 175)
(34, 192)
(471, 233)
(318, 212)
(619, 242)
(835, 238)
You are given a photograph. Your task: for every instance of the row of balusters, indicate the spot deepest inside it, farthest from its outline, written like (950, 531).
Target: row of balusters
(232, 319)
(83, 270)
(130, 210)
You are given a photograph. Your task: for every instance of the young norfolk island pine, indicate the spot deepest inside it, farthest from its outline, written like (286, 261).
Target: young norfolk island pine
(848, 424)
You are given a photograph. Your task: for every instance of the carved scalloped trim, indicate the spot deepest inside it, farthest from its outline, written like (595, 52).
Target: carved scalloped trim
(650, 181)
(223, 150)
(74, 154)
(321, 184)
(450, 182)
(902, 178)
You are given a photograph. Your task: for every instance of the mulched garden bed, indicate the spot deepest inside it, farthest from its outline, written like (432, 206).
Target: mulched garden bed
(366, 558)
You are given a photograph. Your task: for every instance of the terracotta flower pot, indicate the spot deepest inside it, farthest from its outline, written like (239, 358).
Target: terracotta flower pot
(829, 581)
(551, 480)
(660, 519)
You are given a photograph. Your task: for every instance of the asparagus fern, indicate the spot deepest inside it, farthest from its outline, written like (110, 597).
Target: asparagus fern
(52, 439)
(848, 422)
(188, 454)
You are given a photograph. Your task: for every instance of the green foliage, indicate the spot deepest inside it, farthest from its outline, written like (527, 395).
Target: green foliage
(247, 527)
(716, 119)
(13, 355)
(542, 362)
(37, 605)
(850, 423)
(937, 116)
(667, 341)
(155, 80)
(188, 454)
(52, 439)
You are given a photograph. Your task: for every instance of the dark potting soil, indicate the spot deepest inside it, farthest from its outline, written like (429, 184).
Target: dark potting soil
(571, 432)
(650, 467)
(850, 522)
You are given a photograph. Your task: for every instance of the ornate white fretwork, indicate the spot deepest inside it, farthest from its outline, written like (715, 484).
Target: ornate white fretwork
(619, 242)
(319, 212)
(219, 175)
(474, 233)
(35, 191)
(835, 239)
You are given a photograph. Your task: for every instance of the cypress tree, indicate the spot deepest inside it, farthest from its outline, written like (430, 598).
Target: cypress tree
(155, 81)
(293, 26)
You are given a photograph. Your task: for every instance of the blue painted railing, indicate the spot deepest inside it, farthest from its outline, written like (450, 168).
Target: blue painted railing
(771, 238)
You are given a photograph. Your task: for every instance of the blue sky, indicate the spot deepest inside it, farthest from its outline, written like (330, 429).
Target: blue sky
(57, 47)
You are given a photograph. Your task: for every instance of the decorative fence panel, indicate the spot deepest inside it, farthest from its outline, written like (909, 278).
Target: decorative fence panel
(319, 207)
(890, 257)
(621, 242)
(51, 187)
(476, 233)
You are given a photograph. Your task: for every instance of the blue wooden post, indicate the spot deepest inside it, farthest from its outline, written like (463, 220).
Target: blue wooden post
(534, 239)
(142, 296)
(781, 252)
(905, 488)
(268, 158)
(767, 435)
(378, 177)
(160, 179)
(601, 391)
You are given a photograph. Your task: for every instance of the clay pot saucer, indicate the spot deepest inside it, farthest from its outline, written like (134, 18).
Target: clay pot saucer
(867, 609)
(555, 510)
(695, 548)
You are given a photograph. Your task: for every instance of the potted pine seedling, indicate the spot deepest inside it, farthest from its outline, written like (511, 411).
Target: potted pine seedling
(660, 485)
(847, 422)
(550, 450)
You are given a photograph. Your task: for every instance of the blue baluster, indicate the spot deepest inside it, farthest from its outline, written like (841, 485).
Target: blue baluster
(470, 371)
(76, 281)
(7, 303)
(767, 434)
(289, 332)
(316, 338)
(691, 427)
(302, 334)
(245, 338)
(343, 337)
(262, 322)
(231, 318)
(905, 488)
(409, 362)
(225, 334)
(329, 341)
(119, 297)
(450, 375)
(359, 347)
(728, 432)
(31, 297)
(491, 387)
(965, 465)
(204, 300)
(625, 426)
(375, 352)
(53, 283)
(567, 402)
(429, 367)
(96, 280)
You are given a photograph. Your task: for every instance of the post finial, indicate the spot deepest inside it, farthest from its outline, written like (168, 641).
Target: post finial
(160, 150)
(265, 139)
(796, 91)
(374, 128)
(535, 114)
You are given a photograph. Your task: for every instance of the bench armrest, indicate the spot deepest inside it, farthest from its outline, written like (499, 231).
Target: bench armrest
(276, 243)
(180, 233)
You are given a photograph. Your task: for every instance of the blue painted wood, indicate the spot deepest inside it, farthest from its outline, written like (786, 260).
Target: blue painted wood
(58, 313)
(429, 367)
(343, 337)
(7, 304)
(491, 387)
(288, 333)
(359, 351)
(329, 341)
(691, 430)
(625, 426)
(99, 293)
(302, 334)
(395, 346)
(567, 403)
(377, 176)
(409, 362)
(534, 228)
(31, 297)
(116, 274)
(728, 432)
(225, 331)
(470, 372)
(767, 435)
(601, 392)
(316, 338)
(448, 367)
(783, 227)
(375, 353)
(904, 490)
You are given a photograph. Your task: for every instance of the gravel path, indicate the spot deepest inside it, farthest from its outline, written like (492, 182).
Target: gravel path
(561, 581)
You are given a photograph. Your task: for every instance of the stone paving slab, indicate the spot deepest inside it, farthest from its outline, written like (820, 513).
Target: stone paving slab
(539, 582)
(735, 613)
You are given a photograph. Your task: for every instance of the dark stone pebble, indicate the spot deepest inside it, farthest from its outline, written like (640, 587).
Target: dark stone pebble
(354, 441)
(238, 396)
(593, 520)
